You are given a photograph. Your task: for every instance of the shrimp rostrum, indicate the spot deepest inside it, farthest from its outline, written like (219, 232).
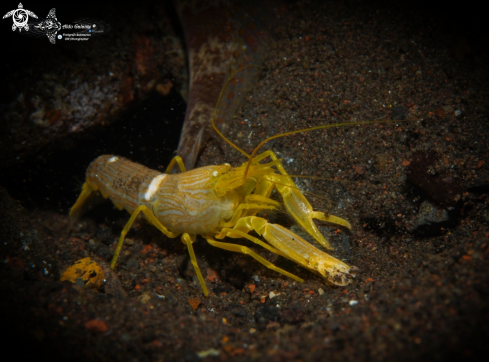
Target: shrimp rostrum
(217, 202)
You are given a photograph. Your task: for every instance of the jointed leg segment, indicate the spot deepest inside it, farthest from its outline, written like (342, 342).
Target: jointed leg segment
(176, 159)
(87, 191)
(233, 233)
(187, 240)
(238, 213)
(244, 250)
(152, 219)
(295, 202)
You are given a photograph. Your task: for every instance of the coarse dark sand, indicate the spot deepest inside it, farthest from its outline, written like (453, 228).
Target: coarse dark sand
(422, 251)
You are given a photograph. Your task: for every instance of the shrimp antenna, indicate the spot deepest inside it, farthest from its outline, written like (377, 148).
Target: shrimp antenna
(250, 157)
(307, 130)
(230, 78)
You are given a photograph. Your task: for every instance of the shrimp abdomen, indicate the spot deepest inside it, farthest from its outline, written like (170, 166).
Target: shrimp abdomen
(120, 180)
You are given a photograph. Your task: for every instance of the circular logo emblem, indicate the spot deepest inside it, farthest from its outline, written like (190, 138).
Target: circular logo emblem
(20, 18)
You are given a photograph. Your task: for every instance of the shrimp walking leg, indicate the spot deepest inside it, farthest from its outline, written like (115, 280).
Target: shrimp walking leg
(238, 213)
(236, 234)
(151, 218)
(187, 240)
(244, 250)
(88, 199)
(87, 191)
(178, 160)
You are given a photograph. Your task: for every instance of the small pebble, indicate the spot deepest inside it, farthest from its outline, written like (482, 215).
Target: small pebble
(96, 325)
(144, 298)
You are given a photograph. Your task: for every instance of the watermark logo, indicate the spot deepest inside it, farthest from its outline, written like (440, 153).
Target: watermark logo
(79, 30)
(20, 17)
(50, 26)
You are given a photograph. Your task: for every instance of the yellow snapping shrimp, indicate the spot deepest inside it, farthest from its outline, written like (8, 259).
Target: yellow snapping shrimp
(217, 202)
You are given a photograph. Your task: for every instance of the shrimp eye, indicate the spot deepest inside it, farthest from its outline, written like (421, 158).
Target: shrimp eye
(215, 173)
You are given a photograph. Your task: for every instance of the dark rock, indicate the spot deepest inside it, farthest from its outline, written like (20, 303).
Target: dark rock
(432, 220)
(443, 189)
(101, 250)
